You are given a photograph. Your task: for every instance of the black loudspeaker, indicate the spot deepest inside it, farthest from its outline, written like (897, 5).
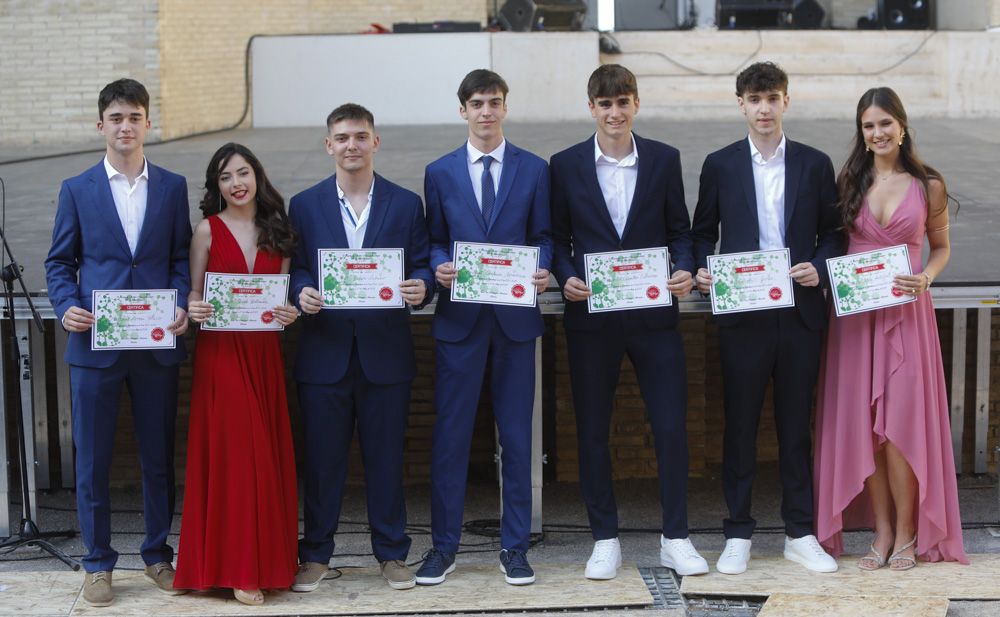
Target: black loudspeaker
(645, 15)
(754, 14)
(807, 15)
(905, 14)
(526, 15)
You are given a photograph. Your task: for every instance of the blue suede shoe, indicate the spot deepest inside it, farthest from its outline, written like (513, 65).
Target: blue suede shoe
(436, 567)
(514, 565)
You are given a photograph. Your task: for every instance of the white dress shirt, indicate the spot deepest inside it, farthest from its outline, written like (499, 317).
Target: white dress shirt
(354, 225)
(130, 200)
(617, 180)
(769, 187)
(476, 168)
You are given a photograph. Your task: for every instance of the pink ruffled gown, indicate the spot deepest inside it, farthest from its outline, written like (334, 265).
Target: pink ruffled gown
(887, 364)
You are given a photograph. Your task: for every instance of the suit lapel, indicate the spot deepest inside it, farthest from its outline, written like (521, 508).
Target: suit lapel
(744, 168)
(155, 190)
(588, 171)
(793, 172)
(330, 207)
(642, 182)
(376, 216)
(508, 171)
(460, 173)
(105, 204)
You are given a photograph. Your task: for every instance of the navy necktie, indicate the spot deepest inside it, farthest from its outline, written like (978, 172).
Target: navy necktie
(489, 194)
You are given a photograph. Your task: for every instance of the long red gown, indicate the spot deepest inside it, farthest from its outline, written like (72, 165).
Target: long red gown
(883, 380)
(239, 527)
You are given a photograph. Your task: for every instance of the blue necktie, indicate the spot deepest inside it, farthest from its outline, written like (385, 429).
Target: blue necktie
(489, 196)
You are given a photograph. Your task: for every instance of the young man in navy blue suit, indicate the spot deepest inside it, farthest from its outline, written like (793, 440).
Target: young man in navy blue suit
(355, 366)
(617, 191)
(122, 224)
(769, 193)
(487, 190)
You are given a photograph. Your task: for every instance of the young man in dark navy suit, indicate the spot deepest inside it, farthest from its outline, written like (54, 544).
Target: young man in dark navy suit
(618, 191)
(767, 193)
(122, 224)
(354, 366)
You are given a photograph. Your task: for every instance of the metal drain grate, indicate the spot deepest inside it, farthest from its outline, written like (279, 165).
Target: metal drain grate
(662, 585)
(723, 607)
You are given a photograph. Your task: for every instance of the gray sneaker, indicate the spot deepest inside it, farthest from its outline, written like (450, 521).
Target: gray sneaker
(97, 588)
(397, 574)
(162, 575)
(309, 576)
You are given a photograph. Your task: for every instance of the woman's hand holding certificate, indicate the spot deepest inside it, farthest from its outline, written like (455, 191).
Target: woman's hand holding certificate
(867, 281)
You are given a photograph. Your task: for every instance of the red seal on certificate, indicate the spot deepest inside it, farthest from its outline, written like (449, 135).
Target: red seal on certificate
(267, 316)
(896, 291)
(775, 293)
(156, 334)
(385, 293)
(517, 291)
(653, 292)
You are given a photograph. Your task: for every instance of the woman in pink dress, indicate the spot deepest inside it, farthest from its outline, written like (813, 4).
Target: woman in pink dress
(883, 445)
(239, 528)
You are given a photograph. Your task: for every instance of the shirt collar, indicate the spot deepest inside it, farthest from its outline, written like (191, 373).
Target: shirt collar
(628, 161)
(758, 158)
(112, 172)
(343, 196)
(474, 154)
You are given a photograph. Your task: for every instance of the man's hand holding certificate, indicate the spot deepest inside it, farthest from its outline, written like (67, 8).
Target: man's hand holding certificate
(865, 281)
(752, 281)
(133, 319)
(622, 280)
(495, 274)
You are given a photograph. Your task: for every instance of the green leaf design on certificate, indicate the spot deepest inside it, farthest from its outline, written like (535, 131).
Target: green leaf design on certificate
(721, 289)
(464, 276)
(843, 290)
(598, 287)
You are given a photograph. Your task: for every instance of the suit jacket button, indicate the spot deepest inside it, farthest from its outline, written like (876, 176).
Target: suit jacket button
(134, 265)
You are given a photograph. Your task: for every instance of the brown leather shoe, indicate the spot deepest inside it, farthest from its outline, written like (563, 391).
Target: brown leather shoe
(162, 575)
(309, 576)
(397, 574)
(97, 588)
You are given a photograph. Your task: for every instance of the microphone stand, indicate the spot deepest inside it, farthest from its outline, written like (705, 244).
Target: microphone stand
(28, 534)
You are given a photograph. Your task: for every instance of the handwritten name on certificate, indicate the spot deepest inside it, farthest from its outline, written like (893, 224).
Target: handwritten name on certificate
(864, 281)
(751, 281)
(360, 278)
(494, 274)
(133, 319)
(622, 280)
(244, 301)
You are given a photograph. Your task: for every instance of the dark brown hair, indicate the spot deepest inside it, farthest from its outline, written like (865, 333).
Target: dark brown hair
(761, 77)
(350, 111)
(610, 80)
(125, 90)
(857, 175)
(275, 233)
(481, 81)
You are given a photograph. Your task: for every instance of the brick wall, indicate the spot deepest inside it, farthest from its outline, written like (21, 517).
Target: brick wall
(203, 46)
(56, 55)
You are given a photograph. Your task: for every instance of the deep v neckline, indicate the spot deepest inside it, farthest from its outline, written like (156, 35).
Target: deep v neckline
(250, 267)
(899, 206)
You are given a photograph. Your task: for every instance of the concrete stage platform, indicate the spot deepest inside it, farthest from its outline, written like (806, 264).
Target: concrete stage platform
(558, 556)
(965, 151)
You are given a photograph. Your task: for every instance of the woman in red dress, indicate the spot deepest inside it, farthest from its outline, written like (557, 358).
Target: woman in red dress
(240, 522)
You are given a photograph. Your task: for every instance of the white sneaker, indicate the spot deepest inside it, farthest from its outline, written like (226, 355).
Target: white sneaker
(807, 551)
(734, 557)
(681, 556)
(605, 560)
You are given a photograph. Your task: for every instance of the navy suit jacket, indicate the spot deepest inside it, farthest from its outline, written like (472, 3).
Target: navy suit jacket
(89, 251)
(520, 217)
(582, 224)
(384, 342)
(727, 195)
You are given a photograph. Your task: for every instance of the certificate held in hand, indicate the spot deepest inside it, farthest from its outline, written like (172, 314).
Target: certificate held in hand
(494, 274)
(750, 281)
(865, 281)
(623, 280)
(360, 278)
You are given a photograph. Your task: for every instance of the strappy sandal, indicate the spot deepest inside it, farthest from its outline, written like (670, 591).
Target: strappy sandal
(253, 597)
(878, 560)
(898, 562)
